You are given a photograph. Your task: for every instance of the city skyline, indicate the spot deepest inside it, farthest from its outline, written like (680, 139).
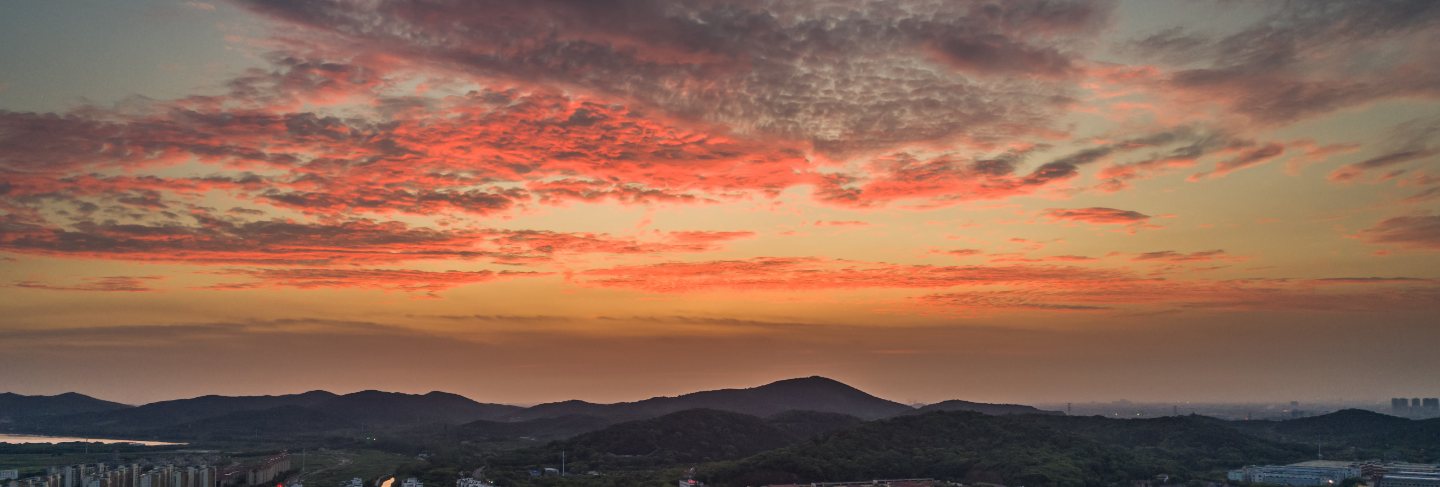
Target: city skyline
(523, 202)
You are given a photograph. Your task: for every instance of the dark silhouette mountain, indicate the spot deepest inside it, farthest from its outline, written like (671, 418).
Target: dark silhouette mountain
(388, 408)
(696, 435)
(280, 422)
(544, 429)
(805, 424)
(1013, 449)
(208, 416)
(1356, 433)
(811, 393)
(984, 408)
(159, 416)
(14, 406)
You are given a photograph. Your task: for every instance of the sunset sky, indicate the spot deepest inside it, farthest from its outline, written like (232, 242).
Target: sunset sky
(527, 201)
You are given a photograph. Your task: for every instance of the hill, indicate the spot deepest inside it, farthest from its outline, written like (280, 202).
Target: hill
(560, 427)
(16, 406)
(1356, 433)
(281, 422)
(390, 408)
(685, 437)
(810, 393)
(985, 408)
(310, 412)
(1013, 450)
(805, 424)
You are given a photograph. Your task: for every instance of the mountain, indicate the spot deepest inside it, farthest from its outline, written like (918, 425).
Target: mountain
(805, 424)
(14, 406)
(310, 412)
(555, 428)
(1013, 450)
(811, 394)
(1356, 433)
(685, 437)
(280, 422)
(385, 408)
(165, 415)
(985, 408)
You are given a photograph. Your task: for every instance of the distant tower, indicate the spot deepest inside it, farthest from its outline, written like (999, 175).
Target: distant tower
(1399, 405)
(1415, 403)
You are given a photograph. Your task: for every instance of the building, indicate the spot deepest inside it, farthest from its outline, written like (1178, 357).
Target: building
(9, 474)
(1409, 475)
(267, 470)
(1315, 472)
(412, 482)
(472, 482)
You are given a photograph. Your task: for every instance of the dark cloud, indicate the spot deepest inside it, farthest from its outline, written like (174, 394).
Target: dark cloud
(841, 75)
(1098, 215)
(1308, 58)
(1420, 232)
(1409, 141)
(1173, 256)
(403, 280)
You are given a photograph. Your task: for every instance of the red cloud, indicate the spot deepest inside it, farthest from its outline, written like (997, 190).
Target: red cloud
(97, 284)
(208, 239)
(1039, 287)
(778, 273)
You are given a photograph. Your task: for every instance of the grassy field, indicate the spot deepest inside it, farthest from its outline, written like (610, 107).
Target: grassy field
(328, 468)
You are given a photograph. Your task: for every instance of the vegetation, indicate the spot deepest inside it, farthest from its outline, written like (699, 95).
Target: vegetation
(1023, 450)
(767, 434)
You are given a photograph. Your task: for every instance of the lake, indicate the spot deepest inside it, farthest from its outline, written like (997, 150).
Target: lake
(15, 438)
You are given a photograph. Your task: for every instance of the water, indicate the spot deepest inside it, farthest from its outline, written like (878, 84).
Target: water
(13, 438)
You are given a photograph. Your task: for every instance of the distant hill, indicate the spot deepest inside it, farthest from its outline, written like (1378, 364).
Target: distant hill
(805, 424)
(15, 406)
(556, 428)
(985, 408)
(1356, 433)
(1013, 450)
(384, 408)
(162, 417)
(280, 422)
(811, 394)
(315, 411)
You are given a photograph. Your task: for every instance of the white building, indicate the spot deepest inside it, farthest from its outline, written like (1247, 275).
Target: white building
(1317, 472)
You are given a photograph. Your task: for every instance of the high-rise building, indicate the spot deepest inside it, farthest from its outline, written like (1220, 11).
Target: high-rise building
(1399, 406)
(1431, 404)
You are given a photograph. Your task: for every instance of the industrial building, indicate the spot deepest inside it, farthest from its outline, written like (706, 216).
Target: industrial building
(1409, 475)
(1315, 472)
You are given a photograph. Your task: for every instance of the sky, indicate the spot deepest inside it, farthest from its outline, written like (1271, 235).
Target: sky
(1003, 201)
